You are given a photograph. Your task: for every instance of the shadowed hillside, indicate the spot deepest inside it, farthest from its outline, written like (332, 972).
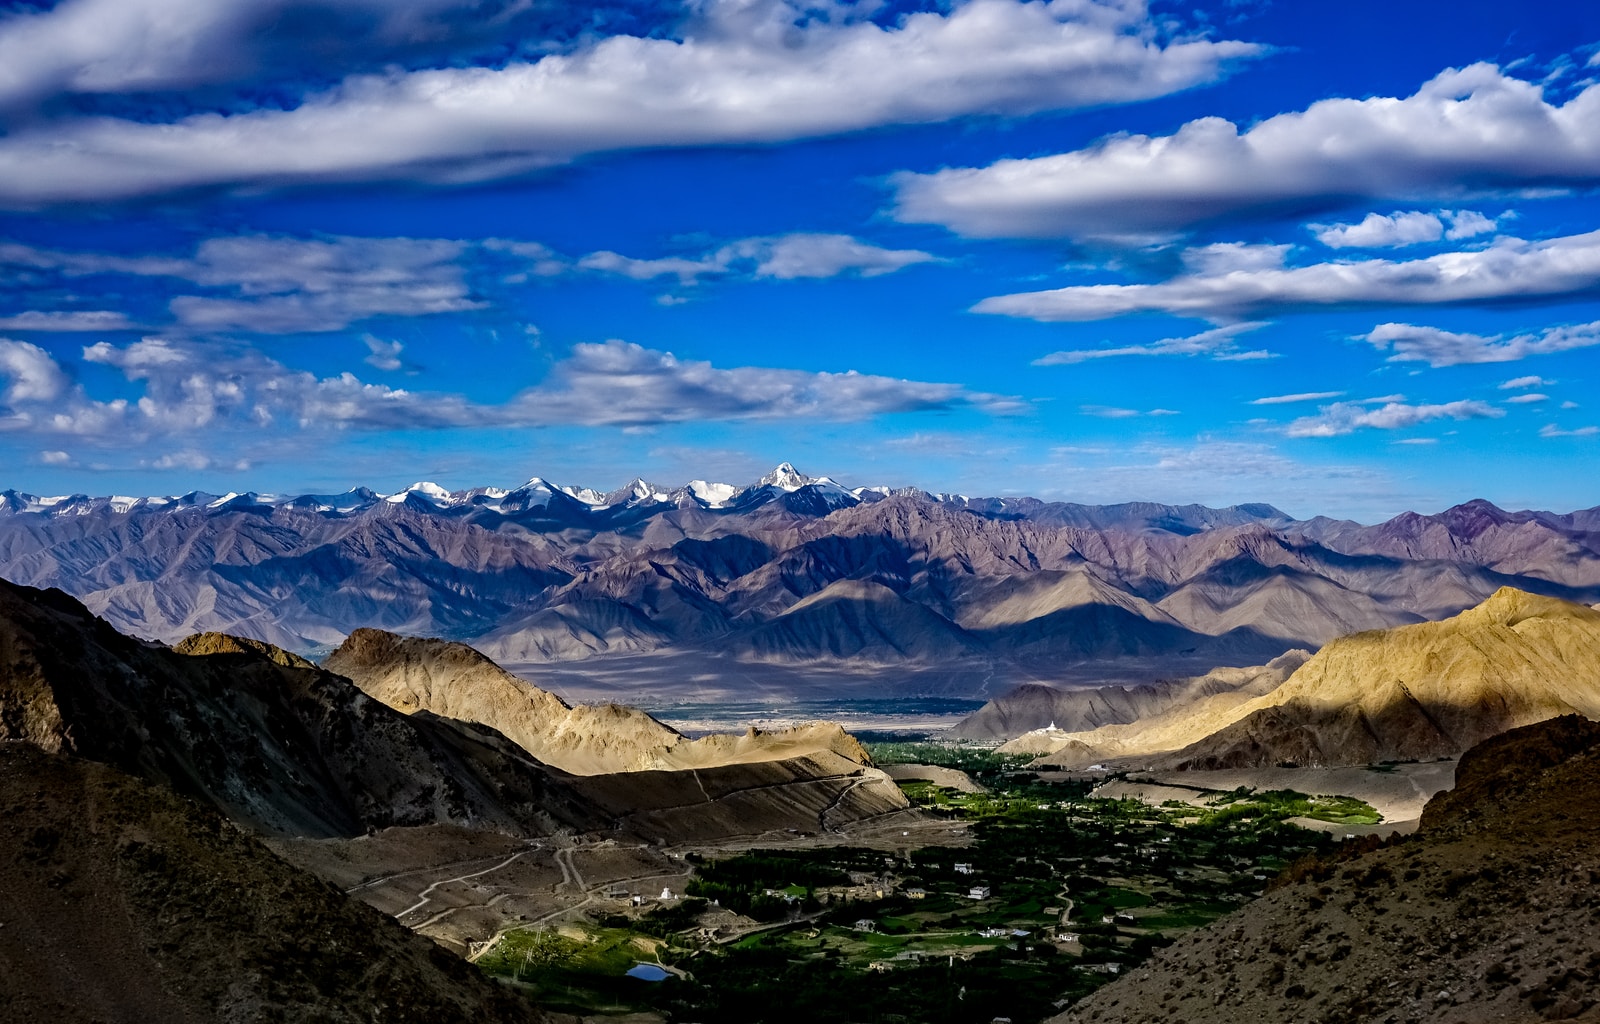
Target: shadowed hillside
(122, 903)
(1487, 914)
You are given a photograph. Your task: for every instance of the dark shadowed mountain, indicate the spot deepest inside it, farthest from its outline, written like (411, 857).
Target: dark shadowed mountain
(121, 902)
(790, 569)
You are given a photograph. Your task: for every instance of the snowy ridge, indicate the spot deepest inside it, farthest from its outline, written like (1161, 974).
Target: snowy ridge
(785, 488)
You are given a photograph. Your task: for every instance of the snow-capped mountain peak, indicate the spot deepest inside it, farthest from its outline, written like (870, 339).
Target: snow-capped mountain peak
(785, 478)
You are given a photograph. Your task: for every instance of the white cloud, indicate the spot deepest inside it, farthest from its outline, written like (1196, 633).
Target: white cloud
(1343, 418)
(686, 270)
(115, 46)
(55, 457)
(33, 375)
(1517, 383)
(1305, 396)
(620, 383)
(385, 355)
(1527, 399)
(781, 257)
(1448, 348)
(190, 387)
(274, 284)
(745, 71)
(1216, 343)
(816, 255)
(289, 285)
(1469, 128)
(67, 321)
(1468, 224)
(1510, 269)
(1111, 412)
(1379, 231)
(1551, 430)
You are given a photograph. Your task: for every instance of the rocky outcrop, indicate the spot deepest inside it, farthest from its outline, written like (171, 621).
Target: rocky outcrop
(1486, 914)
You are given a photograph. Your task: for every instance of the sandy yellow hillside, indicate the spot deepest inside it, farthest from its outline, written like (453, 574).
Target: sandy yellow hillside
(1424, 690)
(454, 681)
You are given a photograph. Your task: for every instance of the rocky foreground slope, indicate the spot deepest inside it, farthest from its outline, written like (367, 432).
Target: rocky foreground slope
(790, 570)
(1412, 693)
(262, 735)
(123, 902)
(1488, 913)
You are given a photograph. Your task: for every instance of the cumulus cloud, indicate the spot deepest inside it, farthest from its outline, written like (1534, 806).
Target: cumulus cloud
(1517, 383)
(1468, 128)
(1527, 399)
(1342, 418)
(385, 355)
(188, 387)
(743, 71)
(1382, 231)
(1436, 347)
(1217, 343)
(32, 376)
(1509, 270)
(1305, 396)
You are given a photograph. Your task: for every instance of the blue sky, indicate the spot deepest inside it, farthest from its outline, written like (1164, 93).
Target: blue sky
(1342, 258)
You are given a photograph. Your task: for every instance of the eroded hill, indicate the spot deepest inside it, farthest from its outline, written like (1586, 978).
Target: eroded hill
(412, 674)
(1414, 692)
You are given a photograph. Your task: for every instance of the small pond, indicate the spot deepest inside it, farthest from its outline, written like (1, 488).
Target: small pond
(648, 972)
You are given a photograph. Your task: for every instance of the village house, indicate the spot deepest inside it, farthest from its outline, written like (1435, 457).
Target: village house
(963, 869)
(980, 892)
(866, 924)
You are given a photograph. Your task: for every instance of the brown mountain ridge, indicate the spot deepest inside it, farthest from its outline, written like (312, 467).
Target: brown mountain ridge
(1415, 692)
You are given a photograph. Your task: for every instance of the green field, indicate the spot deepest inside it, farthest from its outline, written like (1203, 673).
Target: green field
(1134, 876)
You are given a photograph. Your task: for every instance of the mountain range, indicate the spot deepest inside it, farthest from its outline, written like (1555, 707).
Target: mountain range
(788, 570)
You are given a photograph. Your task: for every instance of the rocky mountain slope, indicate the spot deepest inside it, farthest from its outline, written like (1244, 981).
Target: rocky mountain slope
(452, 680)
(288, 748)
(789, 569)
(1486, 914)
(1414, 692)
(122, 902)
(265, 737)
